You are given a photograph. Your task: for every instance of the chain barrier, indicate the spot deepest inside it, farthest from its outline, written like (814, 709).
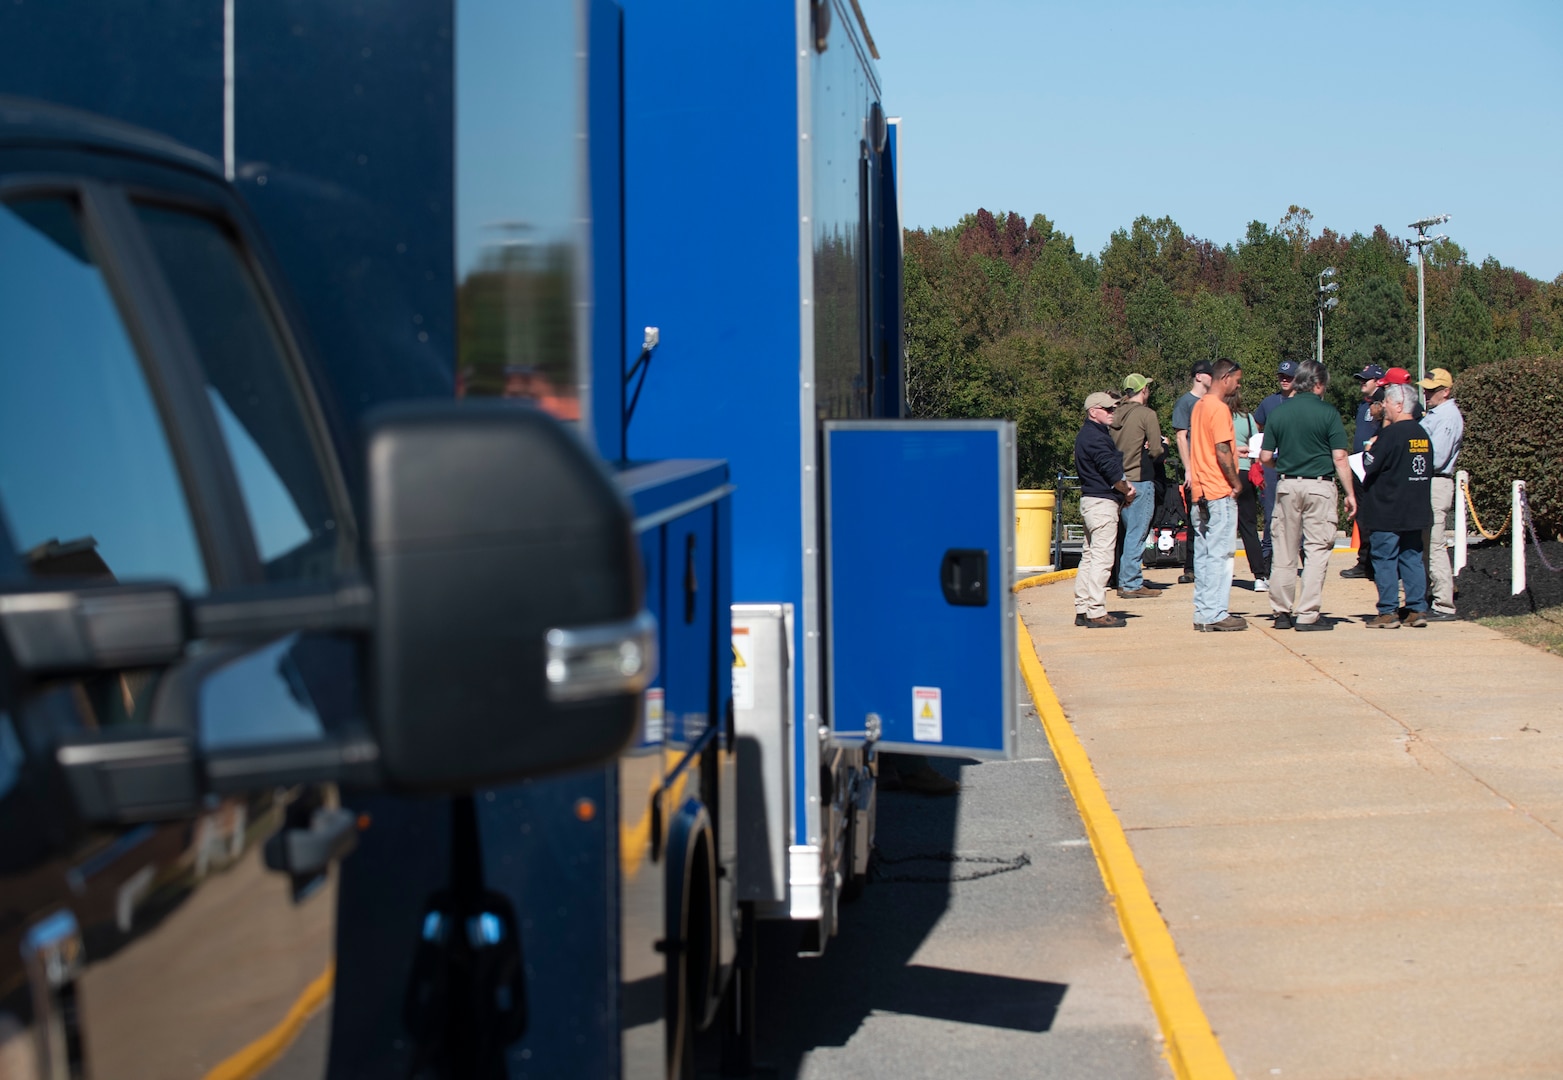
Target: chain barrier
(1478, 521)
(1530, 524)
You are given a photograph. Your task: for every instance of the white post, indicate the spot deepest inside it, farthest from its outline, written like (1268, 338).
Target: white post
(1517, 550)
(1462, 480)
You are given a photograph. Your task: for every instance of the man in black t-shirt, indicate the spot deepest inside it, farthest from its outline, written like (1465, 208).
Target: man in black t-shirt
(1397, 472)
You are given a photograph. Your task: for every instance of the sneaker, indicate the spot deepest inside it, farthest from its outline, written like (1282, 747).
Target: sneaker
(1079, 618)
(1357, 571)
(1440, 616)
(1103, 621)
(1141, 593)
(1261, 585)
(1387, 621)
(1185, 579)
(1283, 622)
(1231, 622)
(1317, 624)
(1416, 619)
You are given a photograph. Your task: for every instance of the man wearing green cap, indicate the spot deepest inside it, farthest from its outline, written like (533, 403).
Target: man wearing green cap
(1136, 431)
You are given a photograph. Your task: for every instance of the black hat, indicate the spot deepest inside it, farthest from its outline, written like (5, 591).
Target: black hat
(1287, 368)
(1372, 371)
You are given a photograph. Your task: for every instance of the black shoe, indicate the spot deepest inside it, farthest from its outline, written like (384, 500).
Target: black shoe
(1185, 579)
(1355, 572)
(1317, 624)
(1440, 616)
(1079, 618)
(1283, 622)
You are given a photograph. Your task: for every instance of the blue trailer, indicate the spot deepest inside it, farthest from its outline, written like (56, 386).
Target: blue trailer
(872, 555)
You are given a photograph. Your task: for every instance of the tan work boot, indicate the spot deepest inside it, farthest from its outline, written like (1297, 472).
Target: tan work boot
(1387, 621)
(1231, 622)
(1142, 593)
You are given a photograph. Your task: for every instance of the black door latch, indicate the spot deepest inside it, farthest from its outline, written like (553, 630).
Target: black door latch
(964, 577)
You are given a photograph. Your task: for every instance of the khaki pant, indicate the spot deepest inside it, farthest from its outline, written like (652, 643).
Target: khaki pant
(1096, 561)
(1442, 598)
(1305, 516)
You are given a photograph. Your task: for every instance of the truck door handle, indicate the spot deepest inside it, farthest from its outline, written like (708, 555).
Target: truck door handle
(332, 833)
(964, 577)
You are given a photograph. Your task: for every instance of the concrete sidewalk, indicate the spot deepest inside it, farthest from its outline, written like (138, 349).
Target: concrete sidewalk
(1355, 837)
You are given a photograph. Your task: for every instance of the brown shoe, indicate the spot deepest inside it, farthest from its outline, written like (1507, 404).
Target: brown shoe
(1388, 621)
(1231, 622)
(1104, 621)
(1142, 593)
(1416, 619)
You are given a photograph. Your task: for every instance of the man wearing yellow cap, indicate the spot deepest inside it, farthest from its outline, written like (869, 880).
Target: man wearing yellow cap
(1446, 428)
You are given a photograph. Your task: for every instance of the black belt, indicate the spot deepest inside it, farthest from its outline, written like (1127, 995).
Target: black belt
(1292, 476)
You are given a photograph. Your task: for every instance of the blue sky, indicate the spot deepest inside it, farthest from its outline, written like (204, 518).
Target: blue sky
(1222, 113)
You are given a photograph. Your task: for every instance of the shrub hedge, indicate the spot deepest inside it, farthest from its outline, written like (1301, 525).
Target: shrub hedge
(1514, 431)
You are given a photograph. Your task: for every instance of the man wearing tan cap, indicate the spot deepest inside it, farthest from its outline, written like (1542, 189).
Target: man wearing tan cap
(1137, 433)
(1103, 489)
(1446, 427)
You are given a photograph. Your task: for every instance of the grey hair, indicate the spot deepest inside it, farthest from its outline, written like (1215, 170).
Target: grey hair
(1310, 373)
(1401, 394)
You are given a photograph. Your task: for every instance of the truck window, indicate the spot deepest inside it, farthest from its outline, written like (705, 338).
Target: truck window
(87, 481)
(251, 389)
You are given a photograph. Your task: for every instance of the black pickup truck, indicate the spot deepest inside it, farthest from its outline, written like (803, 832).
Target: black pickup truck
(213, 645)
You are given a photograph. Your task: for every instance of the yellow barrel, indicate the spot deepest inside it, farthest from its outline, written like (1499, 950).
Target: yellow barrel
(1034, 530)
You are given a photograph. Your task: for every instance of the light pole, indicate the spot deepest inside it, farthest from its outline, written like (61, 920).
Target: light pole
(1423, 240)
(1326, 302)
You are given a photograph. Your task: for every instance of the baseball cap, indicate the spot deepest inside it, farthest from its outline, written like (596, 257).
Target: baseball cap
(1396, 375)
(1201, 367)
(1287, 368)
(1133, 384)
(1439, 377)
(1101, 400)
(1372, 371)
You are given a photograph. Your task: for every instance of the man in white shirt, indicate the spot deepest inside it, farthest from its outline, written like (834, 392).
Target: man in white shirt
(1446, 428)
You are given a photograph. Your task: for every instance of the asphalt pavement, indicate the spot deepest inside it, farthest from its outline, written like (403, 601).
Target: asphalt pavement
(985, 946)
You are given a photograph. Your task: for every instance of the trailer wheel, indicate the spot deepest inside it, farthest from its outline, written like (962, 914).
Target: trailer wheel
(690, 934)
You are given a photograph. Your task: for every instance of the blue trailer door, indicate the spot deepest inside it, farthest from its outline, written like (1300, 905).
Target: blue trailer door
(919, 540)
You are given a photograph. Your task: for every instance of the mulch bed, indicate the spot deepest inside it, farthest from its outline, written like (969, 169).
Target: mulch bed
(1484, 585)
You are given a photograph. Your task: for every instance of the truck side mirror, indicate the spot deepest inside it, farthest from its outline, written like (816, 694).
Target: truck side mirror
(509, 637)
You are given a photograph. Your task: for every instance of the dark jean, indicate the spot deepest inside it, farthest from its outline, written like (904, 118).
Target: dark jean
(1248, 527)
(1397, 561)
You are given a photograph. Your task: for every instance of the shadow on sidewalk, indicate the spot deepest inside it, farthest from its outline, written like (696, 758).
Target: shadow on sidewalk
(806, 1003)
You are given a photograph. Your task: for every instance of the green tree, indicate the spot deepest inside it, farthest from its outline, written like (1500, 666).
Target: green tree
(1465, 334)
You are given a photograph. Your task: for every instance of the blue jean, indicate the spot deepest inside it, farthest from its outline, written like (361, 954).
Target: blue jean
(1136, 518)
(1397, 561)
(1215, 545)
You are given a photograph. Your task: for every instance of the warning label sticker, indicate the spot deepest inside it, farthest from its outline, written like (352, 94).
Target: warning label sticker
(655, 727)
(743, 669)
(927, 714)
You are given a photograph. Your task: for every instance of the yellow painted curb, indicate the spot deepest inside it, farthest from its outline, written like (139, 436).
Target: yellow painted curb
(1045, 579)
(1191, 1046)
(261, 1054)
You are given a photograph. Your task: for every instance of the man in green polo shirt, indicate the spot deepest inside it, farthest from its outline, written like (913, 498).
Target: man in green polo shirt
(1306, 444)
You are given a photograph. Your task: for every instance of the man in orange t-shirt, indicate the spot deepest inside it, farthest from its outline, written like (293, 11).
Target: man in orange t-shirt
(1213, 478)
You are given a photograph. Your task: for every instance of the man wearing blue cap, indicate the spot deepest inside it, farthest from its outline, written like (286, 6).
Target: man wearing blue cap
(1367, 427)
(1285, 375)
